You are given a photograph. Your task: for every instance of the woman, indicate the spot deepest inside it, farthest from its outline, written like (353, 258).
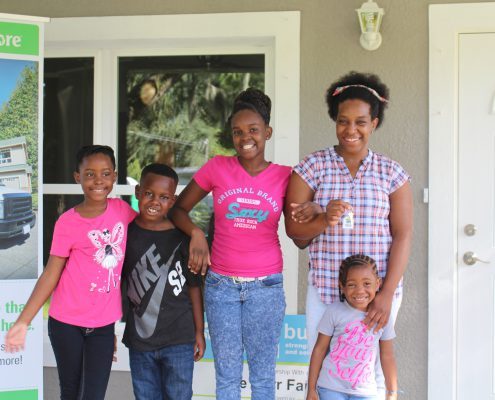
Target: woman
(365, 200)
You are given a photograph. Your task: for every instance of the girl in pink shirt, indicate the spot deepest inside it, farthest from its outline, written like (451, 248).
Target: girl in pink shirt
(83, 272)
(244, 297)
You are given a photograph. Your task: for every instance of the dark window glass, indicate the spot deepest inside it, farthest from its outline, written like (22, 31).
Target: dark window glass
(67, 115)
(53, 207)
(174, 109)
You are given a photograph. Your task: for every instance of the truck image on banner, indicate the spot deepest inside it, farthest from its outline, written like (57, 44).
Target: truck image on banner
(16, 214)
(16, 202)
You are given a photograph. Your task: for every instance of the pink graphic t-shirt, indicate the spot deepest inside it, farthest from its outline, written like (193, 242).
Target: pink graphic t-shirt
(349, 367)
(247, 213)
(88, 292)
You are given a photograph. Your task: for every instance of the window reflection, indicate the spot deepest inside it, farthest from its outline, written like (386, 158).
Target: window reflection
(67, 115)
(174, 109)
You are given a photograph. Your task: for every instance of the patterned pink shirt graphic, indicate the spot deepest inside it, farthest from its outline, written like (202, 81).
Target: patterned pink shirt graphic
(352, 354)
(88, 293)
(350, 365)
(247, 213)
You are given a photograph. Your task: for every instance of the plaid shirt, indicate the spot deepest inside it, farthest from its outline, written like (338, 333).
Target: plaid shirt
(368, 192)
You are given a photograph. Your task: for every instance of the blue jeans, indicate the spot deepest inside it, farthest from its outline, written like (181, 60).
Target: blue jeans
(327, 394)
(84, 359)
(244, 316)
(164, 374)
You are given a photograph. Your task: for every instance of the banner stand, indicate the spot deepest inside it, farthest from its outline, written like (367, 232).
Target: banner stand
(21, 125)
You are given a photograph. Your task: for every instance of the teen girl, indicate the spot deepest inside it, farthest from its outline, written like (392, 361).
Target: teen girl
(83, 272)
(346, 372)
(244, 297)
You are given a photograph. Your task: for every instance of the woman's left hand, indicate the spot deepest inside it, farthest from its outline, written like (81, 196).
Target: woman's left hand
(379, 311)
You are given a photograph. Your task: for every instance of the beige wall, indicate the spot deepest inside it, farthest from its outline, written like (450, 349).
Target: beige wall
(18, 154)
(330, 48)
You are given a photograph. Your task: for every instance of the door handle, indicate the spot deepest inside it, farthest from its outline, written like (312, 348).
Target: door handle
(470, 258)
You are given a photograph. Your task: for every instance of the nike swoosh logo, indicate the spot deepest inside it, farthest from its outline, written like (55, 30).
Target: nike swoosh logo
(146, 324)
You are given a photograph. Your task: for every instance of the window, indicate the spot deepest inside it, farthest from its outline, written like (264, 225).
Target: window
(67, 114)
(172, 109)
(112, 50)
(175, 109)
(5, 157)
(9, 179)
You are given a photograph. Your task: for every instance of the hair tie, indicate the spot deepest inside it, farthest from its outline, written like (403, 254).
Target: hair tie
(340, 89)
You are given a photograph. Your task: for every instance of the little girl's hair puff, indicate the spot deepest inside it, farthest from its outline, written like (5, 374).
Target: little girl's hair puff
(356, 260)
(254, 100)
(357, 85)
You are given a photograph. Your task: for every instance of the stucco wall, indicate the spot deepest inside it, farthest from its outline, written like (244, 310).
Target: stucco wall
(330, 48)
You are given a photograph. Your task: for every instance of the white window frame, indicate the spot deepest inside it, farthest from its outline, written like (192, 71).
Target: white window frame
(6, 160)
(274, 34)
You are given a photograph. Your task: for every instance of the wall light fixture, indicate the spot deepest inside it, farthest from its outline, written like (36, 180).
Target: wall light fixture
(370, 18)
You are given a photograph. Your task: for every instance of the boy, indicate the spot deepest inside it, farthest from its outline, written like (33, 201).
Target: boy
(164, 327)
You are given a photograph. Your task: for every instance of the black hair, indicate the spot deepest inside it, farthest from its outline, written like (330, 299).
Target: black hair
(86, 151)
(354, 261)
(254, 100)
(160, 169)
(371, 81)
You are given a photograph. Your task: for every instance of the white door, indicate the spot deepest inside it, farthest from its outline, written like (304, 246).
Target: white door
(476, 218)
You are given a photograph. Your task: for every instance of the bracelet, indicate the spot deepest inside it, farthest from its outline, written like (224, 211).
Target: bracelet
(394, 391)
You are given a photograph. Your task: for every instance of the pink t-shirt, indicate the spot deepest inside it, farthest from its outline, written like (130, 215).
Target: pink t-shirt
(247, 212)
(88, 292)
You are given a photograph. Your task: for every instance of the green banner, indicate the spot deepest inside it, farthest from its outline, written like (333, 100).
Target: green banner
(20, 395)
(19, 38)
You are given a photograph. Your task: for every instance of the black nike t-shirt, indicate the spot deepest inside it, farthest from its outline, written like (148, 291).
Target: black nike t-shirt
(156, 284)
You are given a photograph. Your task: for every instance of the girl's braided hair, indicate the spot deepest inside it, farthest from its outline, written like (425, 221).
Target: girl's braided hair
(356, 260)
(254, 100)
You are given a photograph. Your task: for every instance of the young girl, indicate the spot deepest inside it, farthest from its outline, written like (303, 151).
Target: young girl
(347, 371)
(83, 272)
(244, 295)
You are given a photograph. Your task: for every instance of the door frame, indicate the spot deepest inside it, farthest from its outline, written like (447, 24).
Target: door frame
(446, 23)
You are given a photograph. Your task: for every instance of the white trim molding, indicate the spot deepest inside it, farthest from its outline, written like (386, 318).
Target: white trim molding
(446, 23)
(23, 18)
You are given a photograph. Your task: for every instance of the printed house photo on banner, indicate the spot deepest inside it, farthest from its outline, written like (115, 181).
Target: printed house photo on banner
(18, 169)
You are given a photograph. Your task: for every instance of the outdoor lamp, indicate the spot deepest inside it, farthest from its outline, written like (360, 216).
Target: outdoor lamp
(370, 19)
